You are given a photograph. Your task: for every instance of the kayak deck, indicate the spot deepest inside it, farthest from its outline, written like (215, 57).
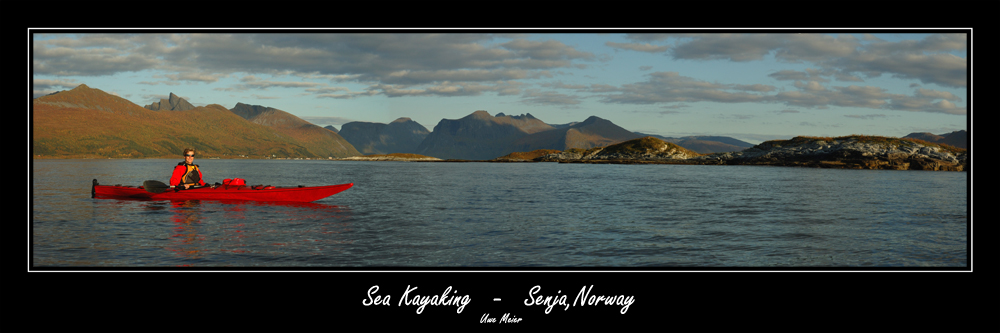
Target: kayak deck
(222, 192)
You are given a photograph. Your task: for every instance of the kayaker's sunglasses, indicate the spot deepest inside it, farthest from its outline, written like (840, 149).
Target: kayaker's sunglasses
(189, 155)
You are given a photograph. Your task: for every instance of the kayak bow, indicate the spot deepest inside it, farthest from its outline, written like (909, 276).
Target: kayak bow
(221, 192)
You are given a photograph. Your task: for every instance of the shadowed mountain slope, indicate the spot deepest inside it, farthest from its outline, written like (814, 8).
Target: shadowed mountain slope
(478, 136)
(403, 135)
(706, 144)
(318, 140)
(173, 103)
(593, 132)
(959, 139)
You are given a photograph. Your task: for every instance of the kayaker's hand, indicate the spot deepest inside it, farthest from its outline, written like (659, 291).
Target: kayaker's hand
(186, 186)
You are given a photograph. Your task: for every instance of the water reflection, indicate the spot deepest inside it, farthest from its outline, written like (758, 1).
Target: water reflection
(214, 232)
(187, 241)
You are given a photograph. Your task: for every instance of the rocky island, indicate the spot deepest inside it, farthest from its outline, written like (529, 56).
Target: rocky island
(849, 152)
(852, 152)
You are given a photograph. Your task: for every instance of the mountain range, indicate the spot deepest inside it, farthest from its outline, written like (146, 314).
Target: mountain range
(87, 122)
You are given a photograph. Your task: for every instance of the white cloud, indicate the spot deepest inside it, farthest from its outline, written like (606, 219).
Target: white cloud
(668, 87)
(845, 57)
(538, 97)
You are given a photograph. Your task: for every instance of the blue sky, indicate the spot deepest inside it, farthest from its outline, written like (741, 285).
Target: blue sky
(751, 85)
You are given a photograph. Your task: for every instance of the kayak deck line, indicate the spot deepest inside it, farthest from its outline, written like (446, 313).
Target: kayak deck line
(221, 192)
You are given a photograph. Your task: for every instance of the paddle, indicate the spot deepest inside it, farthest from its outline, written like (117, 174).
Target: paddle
(153, 186)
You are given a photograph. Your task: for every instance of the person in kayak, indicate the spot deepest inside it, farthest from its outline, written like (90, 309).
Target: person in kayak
(187, 173)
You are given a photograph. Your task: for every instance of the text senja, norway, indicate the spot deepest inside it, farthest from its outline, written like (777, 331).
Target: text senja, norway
(582, 298)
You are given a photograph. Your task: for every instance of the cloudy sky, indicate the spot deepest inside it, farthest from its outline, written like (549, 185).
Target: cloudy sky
(745, 84)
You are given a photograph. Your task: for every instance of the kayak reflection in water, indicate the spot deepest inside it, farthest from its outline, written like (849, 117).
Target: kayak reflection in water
(187, 173)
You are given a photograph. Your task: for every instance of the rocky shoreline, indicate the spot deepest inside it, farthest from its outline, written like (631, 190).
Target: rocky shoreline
(849, 152)
(853, 152)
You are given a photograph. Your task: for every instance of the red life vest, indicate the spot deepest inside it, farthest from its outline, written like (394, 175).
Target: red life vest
(186, 174)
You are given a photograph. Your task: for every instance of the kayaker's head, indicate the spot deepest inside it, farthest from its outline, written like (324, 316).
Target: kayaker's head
(189, 155)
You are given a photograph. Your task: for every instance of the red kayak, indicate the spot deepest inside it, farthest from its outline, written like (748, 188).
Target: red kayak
(220, 192)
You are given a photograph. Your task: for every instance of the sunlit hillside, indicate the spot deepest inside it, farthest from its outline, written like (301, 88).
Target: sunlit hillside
(89, 123)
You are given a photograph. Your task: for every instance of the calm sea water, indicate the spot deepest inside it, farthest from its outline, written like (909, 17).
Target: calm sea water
(494, 215)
